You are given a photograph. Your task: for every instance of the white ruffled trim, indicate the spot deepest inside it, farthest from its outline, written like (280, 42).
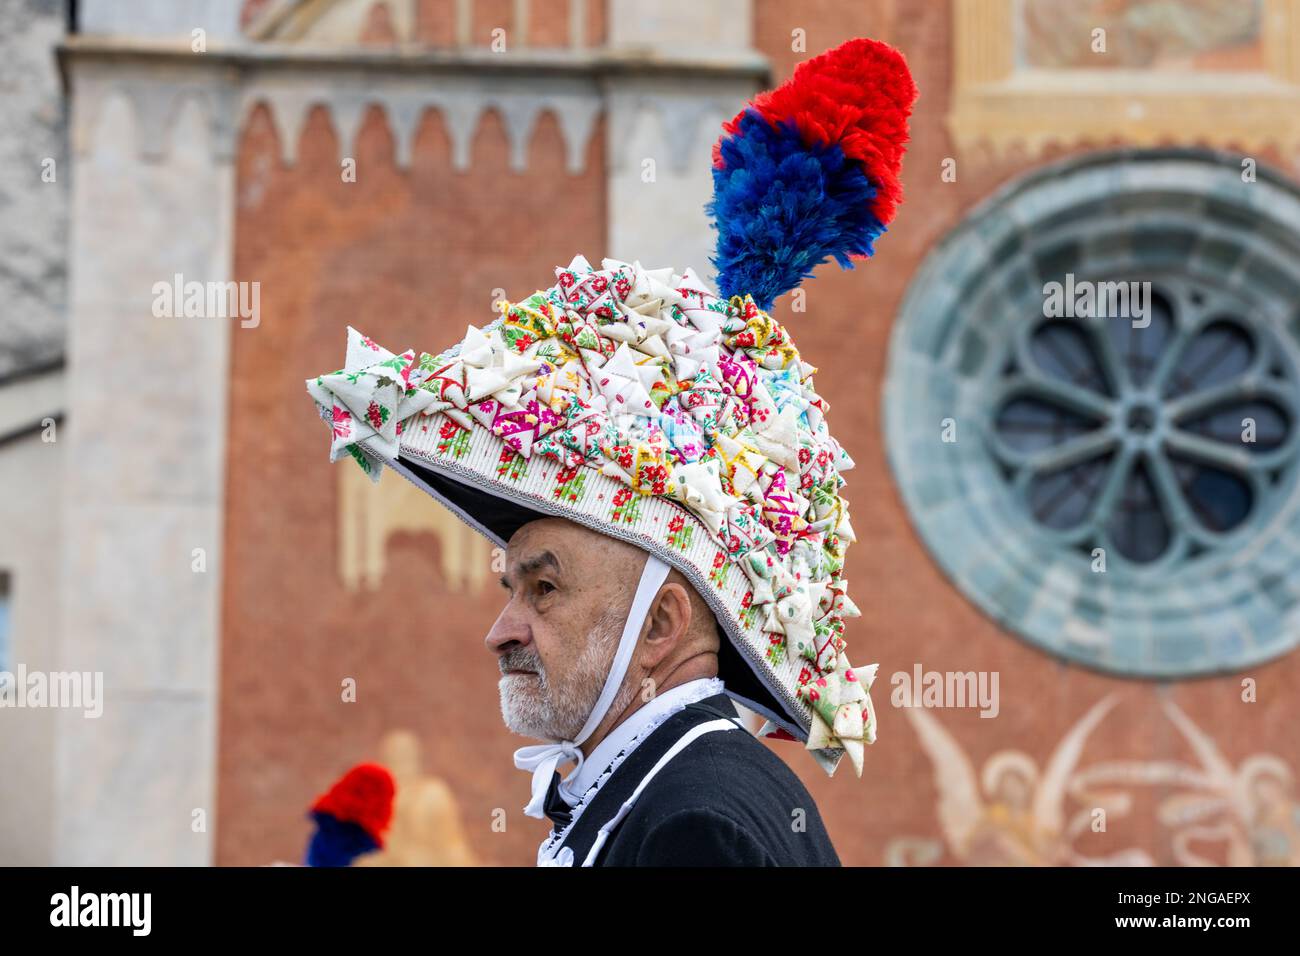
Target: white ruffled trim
(551, 852)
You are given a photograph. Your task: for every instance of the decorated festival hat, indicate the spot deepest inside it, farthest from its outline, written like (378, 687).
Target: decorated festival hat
(642, 405)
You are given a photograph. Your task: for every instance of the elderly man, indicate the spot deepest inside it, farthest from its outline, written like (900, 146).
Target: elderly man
(657, 465)
(726, 799)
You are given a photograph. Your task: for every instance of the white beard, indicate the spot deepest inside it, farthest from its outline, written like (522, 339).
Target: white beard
(534, 706)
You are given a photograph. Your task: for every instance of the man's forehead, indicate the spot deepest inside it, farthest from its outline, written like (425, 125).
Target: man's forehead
(557, 543)
(545, 542)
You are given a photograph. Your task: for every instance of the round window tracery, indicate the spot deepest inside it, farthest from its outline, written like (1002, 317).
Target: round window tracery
(1153, 440)
(1120, 493)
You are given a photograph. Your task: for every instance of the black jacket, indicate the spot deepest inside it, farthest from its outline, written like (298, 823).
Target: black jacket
(725, 800)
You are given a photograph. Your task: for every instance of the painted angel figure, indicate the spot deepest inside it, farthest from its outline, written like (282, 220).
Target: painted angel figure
(1010, 813)
(1251, 807)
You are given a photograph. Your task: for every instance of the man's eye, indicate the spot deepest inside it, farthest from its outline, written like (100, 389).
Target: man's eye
(546, 587)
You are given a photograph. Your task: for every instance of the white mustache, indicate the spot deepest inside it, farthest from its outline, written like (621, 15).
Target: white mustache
(515, 661)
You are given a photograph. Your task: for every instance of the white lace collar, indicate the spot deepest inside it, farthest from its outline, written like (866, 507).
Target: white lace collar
(619, 744)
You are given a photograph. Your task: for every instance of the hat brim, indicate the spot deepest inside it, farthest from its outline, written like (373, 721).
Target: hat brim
(466, 481)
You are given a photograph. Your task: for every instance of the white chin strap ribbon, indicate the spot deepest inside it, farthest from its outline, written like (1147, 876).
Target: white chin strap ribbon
(542, 759)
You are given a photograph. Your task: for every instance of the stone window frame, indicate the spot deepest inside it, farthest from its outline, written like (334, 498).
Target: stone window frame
(1000, 106)
(1188, 211)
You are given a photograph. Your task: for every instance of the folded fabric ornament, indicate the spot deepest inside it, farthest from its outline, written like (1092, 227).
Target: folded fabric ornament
(370, 399)
(643, 405)
(842, 701)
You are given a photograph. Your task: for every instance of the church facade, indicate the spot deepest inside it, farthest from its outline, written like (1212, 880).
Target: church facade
(1077, 539)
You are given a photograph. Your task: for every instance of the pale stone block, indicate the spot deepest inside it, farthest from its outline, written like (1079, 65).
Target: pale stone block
(130, 781)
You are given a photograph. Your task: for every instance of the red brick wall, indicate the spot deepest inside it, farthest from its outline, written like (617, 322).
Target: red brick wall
(435, 22)
(411, 258)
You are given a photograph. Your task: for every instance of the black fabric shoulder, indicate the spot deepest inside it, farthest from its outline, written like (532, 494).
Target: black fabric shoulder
(731, 780)
(724, 800)
(700, 837)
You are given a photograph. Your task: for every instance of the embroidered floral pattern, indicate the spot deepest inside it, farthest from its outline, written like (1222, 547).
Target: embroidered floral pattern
(679, 533)
(775, 651)
(569, 483)
(342, 423)
(513, 467)
(453, 439)
(627, 506)
(377, 414)
(718, 573)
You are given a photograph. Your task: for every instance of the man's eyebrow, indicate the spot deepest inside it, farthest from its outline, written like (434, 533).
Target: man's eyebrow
(535, 563)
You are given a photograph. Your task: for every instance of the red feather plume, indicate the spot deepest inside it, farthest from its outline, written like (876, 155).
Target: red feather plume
(364, 796)
(858, 95)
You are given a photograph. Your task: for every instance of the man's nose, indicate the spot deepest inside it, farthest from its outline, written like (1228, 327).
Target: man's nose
(509, 631)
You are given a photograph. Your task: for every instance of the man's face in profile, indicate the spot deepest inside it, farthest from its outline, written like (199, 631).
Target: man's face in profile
(569, 590)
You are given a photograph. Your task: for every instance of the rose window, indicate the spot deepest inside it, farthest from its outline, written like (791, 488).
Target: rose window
(1152, 439)
(1119, 493)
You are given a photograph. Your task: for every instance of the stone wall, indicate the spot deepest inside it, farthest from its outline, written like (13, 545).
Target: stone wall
(34, 186)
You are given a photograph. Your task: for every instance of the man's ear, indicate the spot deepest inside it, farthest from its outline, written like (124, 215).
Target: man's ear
(668, 623)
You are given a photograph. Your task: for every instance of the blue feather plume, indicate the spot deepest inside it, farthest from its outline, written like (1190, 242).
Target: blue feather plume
(337, 842)
(783, 206)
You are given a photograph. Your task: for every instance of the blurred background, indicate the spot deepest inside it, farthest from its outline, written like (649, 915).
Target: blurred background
(1103, 514)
